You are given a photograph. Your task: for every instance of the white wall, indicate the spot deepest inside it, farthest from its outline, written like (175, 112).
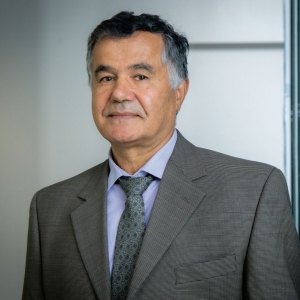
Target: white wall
(18, 133)
(235, 102)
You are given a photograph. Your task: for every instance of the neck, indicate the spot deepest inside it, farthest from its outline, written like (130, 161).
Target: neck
(131, 159)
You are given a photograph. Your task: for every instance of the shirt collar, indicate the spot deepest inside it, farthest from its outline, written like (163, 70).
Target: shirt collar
(155, 166)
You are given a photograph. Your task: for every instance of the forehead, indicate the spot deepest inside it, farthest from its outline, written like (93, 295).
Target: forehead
(140, 46)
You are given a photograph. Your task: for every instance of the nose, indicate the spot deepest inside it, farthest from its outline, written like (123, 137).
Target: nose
(122, 91)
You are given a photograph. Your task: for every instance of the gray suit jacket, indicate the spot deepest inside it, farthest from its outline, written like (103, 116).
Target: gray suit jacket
(220, 228)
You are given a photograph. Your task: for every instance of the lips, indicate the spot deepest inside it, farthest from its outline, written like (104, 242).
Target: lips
(122, 115)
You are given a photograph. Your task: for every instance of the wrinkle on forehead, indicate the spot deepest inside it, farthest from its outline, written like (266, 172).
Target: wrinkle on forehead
(135, 50)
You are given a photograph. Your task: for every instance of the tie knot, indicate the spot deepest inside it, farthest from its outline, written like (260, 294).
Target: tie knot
(135, 185)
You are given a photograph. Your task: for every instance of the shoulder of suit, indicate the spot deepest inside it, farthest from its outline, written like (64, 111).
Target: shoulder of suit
(233, 169)
(189, 152)
(231, 160)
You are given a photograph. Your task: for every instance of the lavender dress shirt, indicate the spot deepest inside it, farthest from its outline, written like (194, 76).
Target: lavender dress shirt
(116, 197)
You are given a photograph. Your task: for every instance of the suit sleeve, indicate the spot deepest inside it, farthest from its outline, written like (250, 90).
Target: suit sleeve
(272, 264)
(33, 281)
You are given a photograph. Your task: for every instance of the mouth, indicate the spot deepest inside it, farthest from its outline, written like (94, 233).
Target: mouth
(123, 115)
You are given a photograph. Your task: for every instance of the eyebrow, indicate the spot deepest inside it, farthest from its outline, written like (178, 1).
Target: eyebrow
(137, 66)
(103, 68)
(142, 66)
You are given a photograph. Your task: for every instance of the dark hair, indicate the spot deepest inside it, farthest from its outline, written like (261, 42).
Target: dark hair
(125, 23)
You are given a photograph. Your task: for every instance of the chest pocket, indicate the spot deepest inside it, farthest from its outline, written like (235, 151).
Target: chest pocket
(205, 270)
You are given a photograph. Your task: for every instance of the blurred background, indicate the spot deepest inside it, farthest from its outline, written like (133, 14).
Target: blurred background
(239, 101)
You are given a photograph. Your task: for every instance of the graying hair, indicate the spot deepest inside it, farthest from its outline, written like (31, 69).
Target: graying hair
(124, 24)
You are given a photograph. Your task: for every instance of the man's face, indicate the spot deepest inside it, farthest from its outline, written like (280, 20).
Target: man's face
(133, 104)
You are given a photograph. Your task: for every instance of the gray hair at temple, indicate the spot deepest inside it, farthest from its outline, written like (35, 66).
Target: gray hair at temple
(125, 23)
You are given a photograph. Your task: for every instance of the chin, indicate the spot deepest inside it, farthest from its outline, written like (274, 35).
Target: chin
(121, 137)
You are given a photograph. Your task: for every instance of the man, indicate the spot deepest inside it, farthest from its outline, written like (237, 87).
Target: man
(160, 219)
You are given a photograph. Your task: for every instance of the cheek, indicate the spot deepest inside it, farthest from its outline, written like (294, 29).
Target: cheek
(95, 107)
(162, 109)
(98, 102)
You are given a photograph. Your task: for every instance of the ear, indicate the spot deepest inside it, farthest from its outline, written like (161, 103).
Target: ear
(181, 91)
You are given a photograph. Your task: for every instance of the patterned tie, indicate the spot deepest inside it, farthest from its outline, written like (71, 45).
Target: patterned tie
(130, 234)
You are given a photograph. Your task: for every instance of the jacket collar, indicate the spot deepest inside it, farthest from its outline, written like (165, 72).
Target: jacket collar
(90, 229)
(177, 193)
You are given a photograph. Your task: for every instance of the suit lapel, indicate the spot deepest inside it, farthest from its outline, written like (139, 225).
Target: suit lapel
(176, 200)
(90, 228)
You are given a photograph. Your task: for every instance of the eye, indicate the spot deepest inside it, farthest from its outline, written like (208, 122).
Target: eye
(140, 77)
(106, 79)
